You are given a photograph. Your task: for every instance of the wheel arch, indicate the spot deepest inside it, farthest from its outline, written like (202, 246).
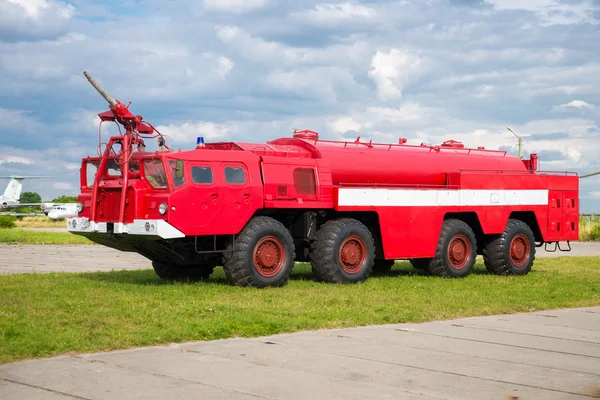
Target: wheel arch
(472, 219)
(371, 220)
(530, 219)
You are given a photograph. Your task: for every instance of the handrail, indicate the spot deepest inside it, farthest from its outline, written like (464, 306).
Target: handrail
(390, 145)
(521, 172)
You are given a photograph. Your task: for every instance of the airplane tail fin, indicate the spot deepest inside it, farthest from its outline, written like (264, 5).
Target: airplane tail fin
(13, 190)
(15, 186)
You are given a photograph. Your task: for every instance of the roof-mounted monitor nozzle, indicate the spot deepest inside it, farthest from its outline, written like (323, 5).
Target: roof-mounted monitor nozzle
(306, 134)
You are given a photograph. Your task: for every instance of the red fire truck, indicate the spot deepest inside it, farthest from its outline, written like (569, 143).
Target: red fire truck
(347, 207)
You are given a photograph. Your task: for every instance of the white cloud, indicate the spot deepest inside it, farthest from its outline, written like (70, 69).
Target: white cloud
(483, 91)
(409, 112)
(225, 66)
(392, 70)
(551, 12)
(344, 124)
(72, 166)
(323, 83)
(228, 33)
(595, 194)
(63, 186)
(36, 8)
(580, 104)
(273, 54)
(187, 132)
(234, 6)
(35, 18)
(529, 5)
(331, 13)
(16, 160)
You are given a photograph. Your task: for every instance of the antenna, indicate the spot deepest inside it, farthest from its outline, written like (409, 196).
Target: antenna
(520, 141)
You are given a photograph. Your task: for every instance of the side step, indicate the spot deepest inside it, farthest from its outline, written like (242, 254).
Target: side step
(556, 246)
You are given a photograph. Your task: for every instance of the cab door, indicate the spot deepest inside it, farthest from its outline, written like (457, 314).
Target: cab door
(237, 193)
(205, 196)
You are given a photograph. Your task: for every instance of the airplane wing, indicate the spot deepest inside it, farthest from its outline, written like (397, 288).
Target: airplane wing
(14, 214)
(22, 205)
(25, 177)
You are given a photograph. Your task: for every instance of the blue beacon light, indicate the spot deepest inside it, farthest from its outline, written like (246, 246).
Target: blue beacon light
(200, 141)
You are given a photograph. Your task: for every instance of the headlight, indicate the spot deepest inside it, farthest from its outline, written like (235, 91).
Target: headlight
(162, 209)
(79, 207)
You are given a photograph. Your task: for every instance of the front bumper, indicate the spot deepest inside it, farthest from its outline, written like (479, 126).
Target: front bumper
(146, 227)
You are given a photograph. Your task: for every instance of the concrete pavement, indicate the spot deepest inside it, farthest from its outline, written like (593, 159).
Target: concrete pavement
(544, 355)
(66, 258)
(86, 258)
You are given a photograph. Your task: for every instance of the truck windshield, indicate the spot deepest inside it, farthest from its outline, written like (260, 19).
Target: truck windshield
(154, 172)
(91, 168)
(113, 170)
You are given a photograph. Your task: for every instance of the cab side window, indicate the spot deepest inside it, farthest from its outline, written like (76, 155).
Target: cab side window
(202, 175)
(235, 175)
(304, 181)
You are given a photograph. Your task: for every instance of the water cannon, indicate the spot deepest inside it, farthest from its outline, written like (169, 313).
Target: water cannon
(96, 86)
(120, 113)
(136, 130)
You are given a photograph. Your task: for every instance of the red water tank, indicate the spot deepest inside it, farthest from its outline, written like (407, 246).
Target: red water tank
(401, 164)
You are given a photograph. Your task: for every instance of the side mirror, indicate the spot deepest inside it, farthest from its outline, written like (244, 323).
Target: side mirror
(179, 169)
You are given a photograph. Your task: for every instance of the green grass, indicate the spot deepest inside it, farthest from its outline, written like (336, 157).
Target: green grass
(49, 314)
(39, 222)
(589, 229)
(19, 236)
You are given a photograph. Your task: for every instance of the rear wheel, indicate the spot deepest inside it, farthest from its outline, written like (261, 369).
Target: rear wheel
(343, 252)
(262, 255)
(456, 251)
(512, 252)
(176, 272)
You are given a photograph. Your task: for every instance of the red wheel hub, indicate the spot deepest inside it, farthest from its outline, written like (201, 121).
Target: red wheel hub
(519, 250)
(459, 252)
(353, 254)
(269, 256)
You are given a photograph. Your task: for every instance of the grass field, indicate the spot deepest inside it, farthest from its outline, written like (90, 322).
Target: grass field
(39, 222)
(43, 315)
(589, 229)
(20, 236)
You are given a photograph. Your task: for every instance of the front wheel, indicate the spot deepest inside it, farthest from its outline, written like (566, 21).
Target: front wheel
(456, 251)
(343, 252)
(262, 255)
(512, 252)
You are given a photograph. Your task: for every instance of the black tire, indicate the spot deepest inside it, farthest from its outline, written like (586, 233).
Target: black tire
(420, 263)
(497, 256)
(175, 272)
(325, 252)
(381, 265)
(262, 236)
(456, 251)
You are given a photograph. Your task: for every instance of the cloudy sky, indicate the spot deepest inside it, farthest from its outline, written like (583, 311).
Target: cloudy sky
(256, 69)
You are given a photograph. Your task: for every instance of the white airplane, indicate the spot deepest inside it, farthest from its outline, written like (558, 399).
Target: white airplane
(12, 193)
(63, 211)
